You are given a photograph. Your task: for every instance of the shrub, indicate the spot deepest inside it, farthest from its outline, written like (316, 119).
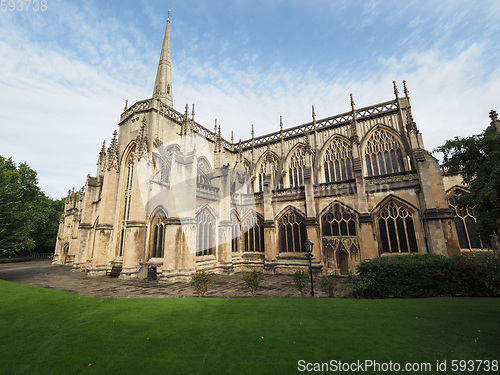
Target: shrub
(327, 284)
(201, 281)
(301, 281)
(427, 275)
(253, 280)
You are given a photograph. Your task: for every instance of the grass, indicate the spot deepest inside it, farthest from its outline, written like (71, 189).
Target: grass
(47, 331)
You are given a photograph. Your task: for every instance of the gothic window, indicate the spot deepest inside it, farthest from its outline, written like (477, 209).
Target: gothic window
(383, 154)
(296, 168)
(268, 166)
(166, 161)
(157, 235)
(292, 227)
(338, 161)
(338, 222)
(253, 229)
(235, 233)
(204, 170)
(465, 220)
(397, 231)
(127, 198)
(205, 239)
(128, 188)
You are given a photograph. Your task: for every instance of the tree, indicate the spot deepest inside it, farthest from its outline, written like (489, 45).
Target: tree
(477, 159)
(28, 218)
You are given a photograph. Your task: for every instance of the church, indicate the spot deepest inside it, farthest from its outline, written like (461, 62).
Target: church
(173, 196)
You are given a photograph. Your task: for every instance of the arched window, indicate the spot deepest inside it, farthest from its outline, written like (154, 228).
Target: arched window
(338, 222)
(383, 154)
(165, 162)
(465, 220)
(296, 168)
(268, 166)
(127, 197)
(337, 163)
(157, 240)
(235, 233)
(397, 232)
(253, 229)
(204, 170)
(205, 239)
(293, 235)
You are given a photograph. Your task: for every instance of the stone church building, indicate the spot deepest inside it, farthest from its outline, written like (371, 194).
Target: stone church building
(171, 194)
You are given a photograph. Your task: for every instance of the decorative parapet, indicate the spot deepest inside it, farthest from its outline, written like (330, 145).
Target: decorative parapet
(207, 191)
(289, 194)
(326, 123)
(140, 106)
(396, 177)
(335, 189)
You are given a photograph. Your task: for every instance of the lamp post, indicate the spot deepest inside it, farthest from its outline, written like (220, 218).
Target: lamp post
(310, 257)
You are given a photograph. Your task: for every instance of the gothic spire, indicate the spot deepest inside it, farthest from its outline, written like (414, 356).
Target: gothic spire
(163, 84)
(142, 141)
(102, 154)
(113, 152)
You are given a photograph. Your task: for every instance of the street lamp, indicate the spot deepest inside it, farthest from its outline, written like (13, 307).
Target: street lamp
(310, 257)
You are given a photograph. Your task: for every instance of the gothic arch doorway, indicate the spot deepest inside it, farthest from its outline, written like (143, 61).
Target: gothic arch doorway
(343, 262)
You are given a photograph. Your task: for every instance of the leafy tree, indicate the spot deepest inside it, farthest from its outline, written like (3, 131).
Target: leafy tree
(47, 213)
(477, 159)
(28, 218)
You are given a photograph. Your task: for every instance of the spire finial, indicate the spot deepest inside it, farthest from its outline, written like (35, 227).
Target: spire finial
(313, 113)
(407, 93)
(168, 18)
(192, 113)
(232, 137)
(396, 92)
(352, 102)
(126, 105)
(162, 90)
(281, 123)
(215, 128)
(252, 131)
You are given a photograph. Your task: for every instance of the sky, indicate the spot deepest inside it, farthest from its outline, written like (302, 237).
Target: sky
(66, 71)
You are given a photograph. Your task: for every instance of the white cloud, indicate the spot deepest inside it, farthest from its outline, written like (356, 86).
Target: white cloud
(59, 102)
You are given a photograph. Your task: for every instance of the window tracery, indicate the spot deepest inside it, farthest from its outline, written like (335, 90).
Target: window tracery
(158, 235)
(292, 231)
(338, 222)
(205, 239)
(465, 220)
(396, 228)
(253, 229)
(337, 163)
(204, 170)
(296, 168)
(235, 233)
(268, 166)
(383, 154)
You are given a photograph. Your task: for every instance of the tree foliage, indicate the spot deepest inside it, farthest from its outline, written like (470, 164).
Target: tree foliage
(28, 218)
(477, 159)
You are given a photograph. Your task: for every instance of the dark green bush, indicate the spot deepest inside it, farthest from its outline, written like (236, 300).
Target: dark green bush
(427, 275)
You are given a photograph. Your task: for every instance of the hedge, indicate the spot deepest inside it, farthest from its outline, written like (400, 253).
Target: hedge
(428, 275)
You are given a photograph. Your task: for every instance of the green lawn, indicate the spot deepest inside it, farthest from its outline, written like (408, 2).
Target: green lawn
(52, 332)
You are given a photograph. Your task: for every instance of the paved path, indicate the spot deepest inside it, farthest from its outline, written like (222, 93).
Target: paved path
(43, 274)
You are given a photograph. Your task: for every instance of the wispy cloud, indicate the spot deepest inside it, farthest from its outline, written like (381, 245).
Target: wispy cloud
(64, 76)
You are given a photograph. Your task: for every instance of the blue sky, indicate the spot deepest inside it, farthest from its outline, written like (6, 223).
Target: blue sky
(65, 73)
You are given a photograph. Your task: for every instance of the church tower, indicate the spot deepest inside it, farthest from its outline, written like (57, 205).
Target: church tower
(163, 84)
